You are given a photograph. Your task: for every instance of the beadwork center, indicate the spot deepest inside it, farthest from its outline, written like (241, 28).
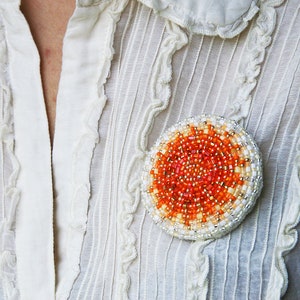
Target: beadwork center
(202, 177)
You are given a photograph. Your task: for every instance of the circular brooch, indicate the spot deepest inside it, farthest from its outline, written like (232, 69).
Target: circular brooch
(202, 177)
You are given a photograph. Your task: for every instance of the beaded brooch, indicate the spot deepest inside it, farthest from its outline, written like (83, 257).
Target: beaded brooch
(201, 178)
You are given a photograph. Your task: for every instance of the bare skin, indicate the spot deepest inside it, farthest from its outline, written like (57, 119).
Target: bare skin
(48, 21)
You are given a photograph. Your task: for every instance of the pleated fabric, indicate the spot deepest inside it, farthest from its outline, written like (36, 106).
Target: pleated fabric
(129, 74)
(205, 73)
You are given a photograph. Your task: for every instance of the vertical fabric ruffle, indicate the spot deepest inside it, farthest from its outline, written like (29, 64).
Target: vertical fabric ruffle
(10, 194)
(83, 152)
(160, 91)
(197, 271)
(10, 198)
(287, 236)
(259, 38)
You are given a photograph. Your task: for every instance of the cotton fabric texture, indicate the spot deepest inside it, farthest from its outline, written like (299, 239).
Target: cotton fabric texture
(131, 70)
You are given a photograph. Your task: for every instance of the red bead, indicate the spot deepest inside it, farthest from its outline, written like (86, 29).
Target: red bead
(193, 172)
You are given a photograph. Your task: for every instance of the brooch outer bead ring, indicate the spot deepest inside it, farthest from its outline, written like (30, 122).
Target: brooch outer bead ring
(201, 178)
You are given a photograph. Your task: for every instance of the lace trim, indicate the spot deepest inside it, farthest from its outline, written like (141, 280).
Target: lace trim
(186, 18)
(287, 236)
(11, 194)
(258, 40)
(160, 95)
(82, 157)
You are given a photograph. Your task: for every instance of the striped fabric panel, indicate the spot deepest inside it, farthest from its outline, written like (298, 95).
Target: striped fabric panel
(203, 75)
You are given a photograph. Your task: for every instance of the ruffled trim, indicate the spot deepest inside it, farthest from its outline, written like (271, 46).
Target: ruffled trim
(86, 3)
(201, 24)
(259, 39)
(11, 194)
(287, 235)
(11, 199)
(160, 95)
(197, 271)
(82, 156)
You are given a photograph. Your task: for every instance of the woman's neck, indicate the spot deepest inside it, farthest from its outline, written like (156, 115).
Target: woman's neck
(48, 21)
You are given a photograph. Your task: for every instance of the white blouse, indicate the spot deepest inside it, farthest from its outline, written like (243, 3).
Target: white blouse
(72, 222)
